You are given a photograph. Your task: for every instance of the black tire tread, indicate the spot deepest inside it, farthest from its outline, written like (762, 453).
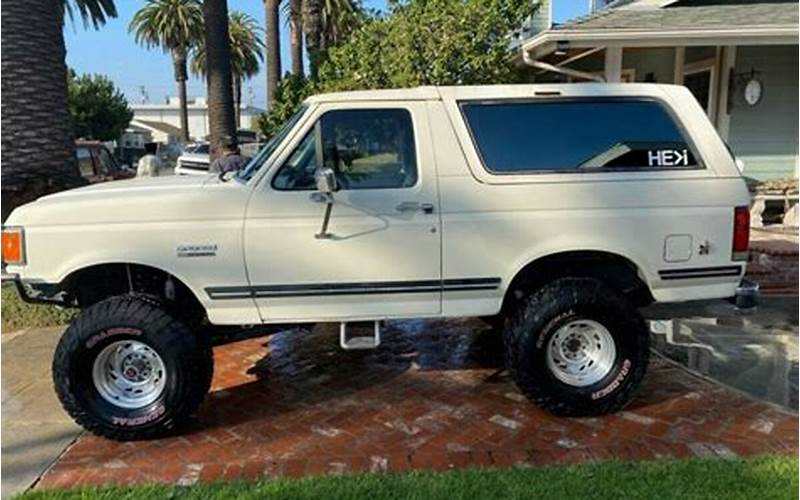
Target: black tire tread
(136, 310)
(556, 295)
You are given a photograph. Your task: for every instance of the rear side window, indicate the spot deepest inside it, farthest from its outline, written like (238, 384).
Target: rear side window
(576, 136)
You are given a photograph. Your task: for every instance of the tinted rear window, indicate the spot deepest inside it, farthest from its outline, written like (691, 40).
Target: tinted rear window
(588, 135)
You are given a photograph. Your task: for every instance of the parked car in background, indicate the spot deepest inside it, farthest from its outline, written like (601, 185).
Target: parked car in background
(194, 160)
(97, 164)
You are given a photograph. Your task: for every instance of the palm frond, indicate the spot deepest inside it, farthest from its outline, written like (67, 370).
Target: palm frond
(94, 12)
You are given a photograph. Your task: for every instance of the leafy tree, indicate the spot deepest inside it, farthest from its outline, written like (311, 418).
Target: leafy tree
(98, 109)
(292, 91)
(37, 141)
(429, 42)
(175, 26)
(247, 54)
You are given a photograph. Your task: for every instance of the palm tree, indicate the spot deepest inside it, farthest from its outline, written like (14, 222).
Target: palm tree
(339, 18)
(175, 26)
(312, 26)
(246, 54)
(327, 23)
(273, 43)
(296, 35)
(218, 73)
(37, 141)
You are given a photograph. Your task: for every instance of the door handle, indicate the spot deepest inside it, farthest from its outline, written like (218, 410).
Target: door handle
(414, 206)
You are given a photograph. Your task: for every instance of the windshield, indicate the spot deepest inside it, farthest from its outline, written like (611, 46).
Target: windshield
(255, 164)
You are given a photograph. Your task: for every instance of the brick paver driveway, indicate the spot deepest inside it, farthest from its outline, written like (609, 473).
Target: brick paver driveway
(431, 397)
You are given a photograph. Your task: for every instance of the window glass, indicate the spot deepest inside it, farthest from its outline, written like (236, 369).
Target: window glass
(85, 161)
(366, 148)
(298, 171)
(588, 135)
(256, 163)
(106, 161)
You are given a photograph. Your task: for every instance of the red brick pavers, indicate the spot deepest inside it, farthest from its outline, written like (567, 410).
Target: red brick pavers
(432, 397)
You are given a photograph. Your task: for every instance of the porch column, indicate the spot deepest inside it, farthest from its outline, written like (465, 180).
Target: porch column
(680, 61)
(727, 62)
(613, 64)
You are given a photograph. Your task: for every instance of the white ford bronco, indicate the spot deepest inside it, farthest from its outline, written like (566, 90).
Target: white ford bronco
(556, 210)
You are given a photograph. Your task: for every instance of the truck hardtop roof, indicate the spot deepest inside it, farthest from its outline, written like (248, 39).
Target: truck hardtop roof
(428, 93)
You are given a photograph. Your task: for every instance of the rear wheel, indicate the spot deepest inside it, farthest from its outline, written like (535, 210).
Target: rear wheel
(577, 348)
(127, 369)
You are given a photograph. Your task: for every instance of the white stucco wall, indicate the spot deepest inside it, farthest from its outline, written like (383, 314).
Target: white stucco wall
(198, 116)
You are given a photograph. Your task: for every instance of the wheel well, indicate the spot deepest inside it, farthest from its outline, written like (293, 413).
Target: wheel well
(614, 270)
(90, 285)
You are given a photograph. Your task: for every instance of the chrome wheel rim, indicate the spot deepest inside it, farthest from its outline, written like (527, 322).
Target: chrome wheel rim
(581, 353)
(129, 374)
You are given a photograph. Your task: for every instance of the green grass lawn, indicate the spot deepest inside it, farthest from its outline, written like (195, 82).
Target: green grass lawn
(758, 478)
(17, 314)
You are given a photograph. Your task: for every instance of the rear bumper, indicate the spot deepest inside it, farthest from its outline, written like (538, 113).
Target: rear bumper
(746, 298)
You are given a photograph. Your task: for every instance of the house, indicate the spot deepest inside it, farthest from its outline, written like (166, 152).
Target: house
(162, 132)
(738, 57)
(169, 113)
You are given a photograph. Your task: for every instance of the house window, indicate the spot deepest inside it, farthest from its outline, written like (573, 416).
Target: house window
(700, 79)
(586, 135)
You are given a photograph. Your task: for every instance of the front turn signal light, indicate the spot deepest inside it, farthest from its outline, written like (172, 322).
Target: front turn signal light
(13, 241)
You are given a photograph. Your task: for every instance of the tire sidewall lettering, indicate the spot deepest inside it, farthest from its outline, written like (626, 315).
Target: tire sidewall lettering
(151, 416)
(616, 383)
(112, 332)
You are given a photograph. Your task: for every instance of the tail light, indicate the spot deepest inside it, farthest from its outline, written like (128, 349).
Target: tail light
(741, 232)
(13, 243)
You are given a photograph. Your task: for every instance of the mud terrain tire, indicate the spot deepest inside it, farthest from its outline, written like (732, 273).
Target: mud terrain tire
(539, 328)
(159, 350)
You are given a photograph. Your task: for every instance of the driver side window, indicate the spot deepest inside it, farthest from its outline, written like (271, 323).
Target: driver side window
(366, 148)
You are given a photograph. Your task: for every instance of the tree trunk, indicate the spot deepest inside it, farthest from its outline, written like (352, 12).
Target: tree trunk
(218, 74)
(273, 43)
(312, 25)
(237, 102)
(179, 62)
(296, 35)
(37, 140)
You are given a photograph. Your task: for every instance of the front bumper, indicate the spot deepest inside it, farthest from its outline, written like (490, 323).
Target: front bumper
(34, 292)
(747, 298)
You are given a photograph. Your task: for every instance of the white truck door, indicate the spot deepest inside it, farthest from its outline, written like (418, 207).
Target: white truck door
(381, 257)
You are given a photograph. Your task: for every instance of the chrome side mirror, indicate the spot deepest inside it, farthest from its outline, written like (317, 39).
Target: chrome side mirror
(326, 180)
(326, 186)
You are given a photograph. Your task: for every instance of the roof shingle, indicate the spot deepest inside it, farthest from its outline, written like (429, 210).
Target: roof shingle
(689, 17)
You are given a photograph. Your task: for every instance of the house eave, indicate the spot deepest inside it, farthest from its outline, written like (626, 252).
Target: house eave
(544, 43)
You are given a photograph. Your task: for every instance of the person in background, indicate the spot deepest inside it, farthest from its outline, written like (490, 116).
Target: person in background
(231, 159)
(149, 165)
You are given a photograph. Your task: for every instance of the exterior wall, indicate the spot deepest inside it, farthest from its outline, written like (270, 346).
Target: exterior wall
(658, 61)
(764, 137)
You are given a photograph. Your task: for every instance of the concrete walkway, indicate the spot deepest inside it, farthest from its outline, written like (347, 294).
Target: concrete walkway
(35, 430)
(754, 352)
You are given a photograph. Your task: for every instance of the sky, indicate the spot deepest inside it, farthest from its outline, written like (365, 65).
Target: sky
(136, 71)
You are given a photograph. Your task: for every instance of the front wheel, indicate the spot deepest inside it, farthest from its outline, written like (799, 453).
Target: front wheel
(126, 369)
(577, 348)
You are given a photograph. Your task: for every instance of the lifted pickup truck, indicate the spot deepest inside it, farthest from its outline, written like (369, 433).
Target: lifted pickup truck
(556, 210)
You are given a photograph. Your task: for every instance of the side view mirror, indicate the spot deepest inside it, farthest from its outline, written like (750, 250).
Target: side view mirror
(326, 180)
(326, 185)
